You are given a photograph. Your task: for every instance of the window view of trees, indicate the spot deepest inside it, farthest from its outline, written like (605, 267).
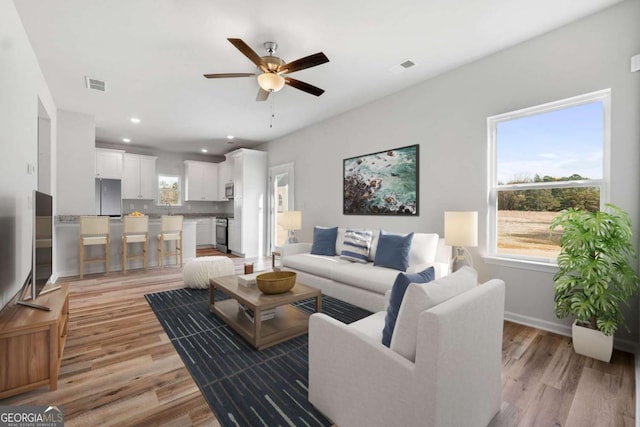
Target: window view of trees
(168, 190)
(549, 199)
(524, 215)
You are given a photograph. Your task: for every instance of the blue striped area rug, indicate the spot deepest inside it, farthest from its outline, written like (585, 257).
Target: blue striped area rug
(244, 386)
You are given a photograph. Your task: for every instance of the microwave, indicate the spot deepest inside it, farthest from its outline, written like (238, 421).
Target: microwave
(228, 190)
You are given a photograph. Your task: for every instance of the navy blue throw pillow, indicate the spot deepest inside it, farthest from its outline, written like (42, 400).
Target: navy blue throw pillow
(397, 293)
(324, 241)
(393, 250)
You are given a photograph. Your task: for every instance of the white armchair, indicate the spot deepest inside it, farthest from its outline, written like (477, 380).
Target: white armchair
(455, 381)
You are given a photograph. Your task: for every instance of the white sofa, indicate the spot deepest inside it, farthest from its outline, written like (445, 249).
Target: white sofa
(363, 285)
(453, 379)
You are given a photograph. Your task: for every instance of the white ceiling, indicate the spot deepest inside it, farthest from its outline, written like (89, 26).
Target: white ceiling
(152, 54)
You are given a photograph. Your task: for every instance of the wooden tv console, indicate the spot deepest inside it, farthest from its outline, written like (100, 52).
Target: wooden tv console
(31, 343)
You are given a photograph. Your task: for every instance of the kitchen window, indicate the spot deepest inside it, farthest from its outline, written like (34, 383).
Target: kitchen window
(168, 190)
(542, 160)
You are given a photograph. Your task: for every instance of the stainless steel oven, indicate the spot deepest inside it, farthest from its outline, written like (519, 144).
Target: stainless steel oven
(222, 235)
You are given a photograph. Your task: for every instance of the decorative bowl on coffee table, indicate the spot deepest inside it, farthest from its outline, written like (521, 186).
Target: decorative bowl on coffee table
(276, 282)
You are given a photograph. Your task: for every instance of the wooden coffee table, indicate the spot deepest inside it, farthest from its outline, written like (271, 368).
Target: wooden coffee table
(289, 322)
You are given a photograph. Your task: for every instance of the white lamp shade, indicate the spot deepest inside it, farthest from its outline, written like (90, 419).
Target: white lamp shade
(290, 220)
(271, 82)
(461, 228)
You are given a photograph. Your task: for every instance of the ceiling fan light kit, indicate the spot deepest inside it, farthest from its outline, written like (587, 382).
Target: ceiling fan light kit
(271, 82)
(271, 69)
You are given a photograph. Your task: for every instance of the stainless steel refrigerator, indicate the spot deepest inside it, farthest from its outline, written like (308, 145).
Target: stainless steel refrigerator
(108, 197)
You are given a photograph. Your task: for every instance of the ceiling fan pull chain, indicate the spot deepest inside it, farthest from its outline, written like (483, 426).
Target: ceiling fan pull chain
(273, 112)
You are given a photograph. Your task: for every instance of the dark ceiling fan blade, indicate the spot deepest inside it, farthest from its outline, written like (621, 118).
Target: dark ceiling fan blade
(248, 52)
(227, 75)
(302, 63)
(305, 87)
(262, 95)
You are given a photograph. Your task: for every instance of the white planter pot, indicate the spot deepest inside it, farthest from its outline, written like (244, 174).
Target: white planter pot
(592, 343)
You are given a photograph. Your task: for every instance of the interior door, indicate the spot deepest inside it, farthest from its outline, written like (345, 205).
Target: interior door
(281, 191)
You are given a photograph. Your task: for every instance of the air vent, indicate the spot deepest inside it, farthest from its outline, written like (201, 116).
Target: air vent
(402, 67)
(407, 64)
(95, 84)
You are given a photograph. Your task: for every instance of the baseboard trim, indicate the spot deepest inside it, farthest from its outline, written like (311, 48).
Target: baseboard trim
(561, 329)
(534, 322)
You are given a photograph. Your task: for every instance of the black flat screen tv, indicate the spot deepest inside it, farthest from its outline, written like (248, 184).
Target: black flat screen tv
(42, 256)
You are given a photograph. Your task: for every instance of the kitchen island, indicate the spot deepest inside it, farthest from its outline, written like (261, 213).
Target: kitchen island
(67, 248)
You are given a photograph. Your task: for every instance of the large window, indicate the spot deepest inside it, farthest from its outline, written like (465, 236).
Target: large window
(168, 190)
(542, 160)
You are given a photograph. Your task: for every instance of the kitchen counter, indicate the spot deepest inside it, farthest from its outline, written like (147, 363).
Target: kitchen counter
(67, 235)
(75, 219)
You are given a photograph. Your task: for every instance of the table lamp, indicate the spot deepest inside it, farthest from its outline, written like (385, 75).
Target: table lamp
(461, 231)
(290, 221)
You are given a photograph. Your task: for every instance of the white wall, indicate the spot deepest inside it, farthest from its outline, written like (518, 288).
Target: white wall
(21, 85)
(76, 163)
(447, 117)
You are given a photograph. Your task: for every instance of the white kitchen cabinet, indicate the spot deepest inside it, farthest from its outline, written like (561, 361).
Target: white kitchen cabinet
(235, 236)
(203, 232)
(225, 176)
(109, 163)
(249, 203)
(201, 181)
(140, 179)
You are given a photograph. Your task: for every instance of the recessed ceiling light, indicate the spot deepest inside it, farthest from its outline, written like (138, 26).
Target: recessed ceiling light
(230, 137)
(126, 140)
(204, 150)
(135, 120)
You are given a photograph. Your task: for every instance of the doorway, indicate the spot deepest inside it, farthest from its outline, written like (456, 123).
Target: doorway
(281, 191)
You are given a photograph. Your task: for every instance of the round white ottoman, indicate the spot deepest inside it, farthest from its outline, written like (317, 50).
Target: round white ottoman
(196, 273)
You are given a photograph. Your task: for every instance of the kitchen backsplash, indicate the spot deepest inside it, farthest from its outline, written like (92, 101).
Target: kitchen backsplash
(150, 207)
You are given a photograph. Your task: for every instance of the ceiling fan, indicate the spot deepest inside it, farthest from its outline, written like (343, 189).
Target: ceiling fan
(273, 68)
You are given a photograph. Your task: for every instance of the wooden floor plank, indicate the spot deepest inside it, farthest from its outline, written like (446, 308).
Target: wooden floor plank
(564, 369)
(120, 368)
(548, 407)
(522, 377)
(600, 401)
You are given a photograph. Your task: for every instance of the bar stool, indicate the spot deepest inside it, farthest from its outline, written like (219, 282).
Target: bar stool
(94, 230)
(135, 230)
(170, 229)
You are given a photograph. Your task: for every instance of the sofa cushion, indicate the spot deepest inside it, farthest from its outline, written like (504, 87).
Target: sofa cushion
(424, 247)
(340, 239)
(393, 250)
(374, 245)
(370, 325)
(421, 297)
(324, 241)
(356, 245)
(364, 276)
(395, 300)
(318, 265)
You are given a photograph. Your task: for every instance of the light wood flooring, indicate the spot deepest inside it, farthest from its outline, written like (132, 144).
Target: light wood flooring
(119, 367)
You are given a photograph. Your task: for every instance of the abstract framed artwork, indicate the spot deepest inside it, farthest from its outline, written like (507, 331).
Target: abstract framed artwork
(382, 183)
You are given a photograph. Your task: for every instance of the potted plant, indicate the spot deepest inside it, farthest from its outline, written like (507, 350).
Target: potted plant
(594, 276)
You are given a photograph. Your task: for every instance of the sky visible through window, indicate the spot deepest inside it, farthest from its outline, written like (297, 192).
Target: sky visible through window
(557, 143)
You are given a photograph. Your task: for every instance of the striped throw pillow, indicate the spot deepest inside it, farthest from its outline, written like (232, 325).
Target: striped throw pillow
(356, 245)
